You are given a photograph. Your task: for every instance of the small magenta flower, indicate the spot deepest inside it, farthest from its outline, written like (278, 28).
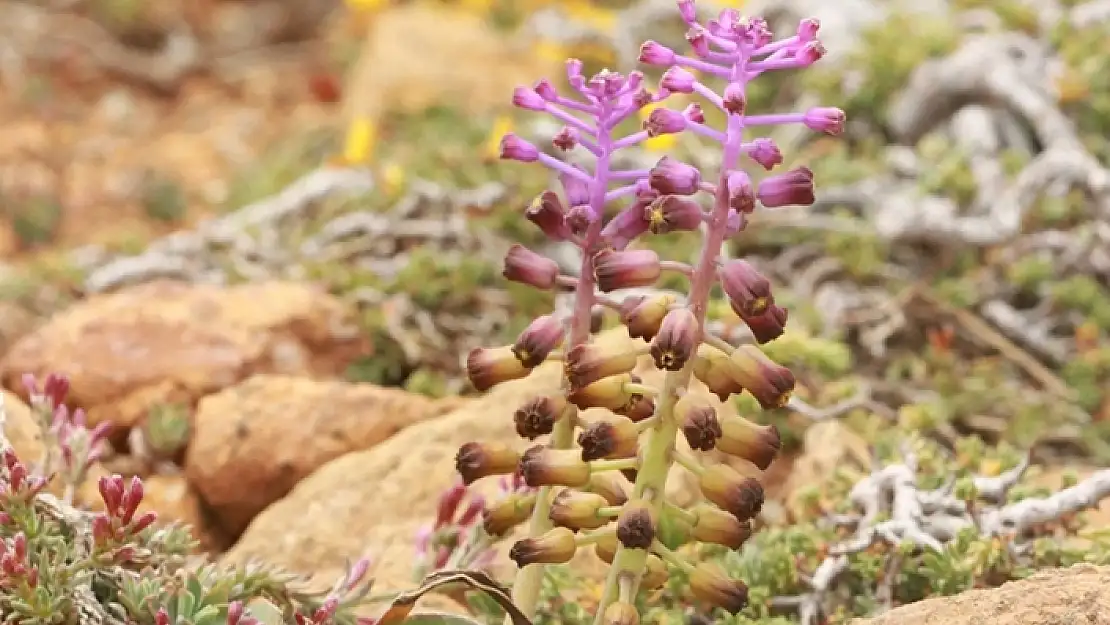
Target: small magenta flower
(807, 29)
(693, 112)
(765, 152)
(828, 120)
(527, 267)
(810, 53)
(670, 213)
(673, 177)
(663, 121)
(655, 53)
(734, 100)
(526, 98)
(516, 149)
(543, 336)
(748, 291)
(628, 269)
(566, 139)
(794, 187)
(545, 90)
(741, 194)
(678, 80)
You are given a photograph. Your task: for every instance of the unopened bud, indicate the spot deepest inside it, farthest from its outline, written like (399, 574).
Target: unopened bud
(578, 510)
(671, 176)
(718, 527)
(714, 369)
(694, 113)
(769, 382)
(698, 421)
(566, 139)
(734, 100)
(526, 98)
(514, 148)
(507, 513)
(769, 325)
(678, 80)
(765, 152)
(676, 341)
(654, 53)
(734, 493)
(671, 213)
(538, 340)
(828, 120)
(748, 291)
(713, 587)
(611, 393)
(758, 444)
(527, 267)
(477, 460)
(629, 223)
(549, 215)
(741, 194)
(543, 466)
(487, 367)
(589, 362)
(807, 29)
(663, 121)
(636, 525)
(793, 188)
(643, 315)
(621, 613)
(556, 546)
(626, 269)
(538, 415)
(609, 486)
(614, 437)
(810, 53)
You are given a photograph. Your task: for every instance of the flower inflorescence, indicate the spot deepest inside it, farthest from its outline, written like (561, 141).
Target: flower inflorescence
(580, 497)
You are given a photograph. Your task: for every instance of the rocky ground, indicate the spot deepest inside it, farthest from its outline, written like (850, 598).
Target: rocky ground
(282, 362)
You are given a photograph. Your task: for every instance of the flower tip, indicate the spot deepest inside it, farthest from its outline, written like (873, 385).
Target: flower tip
(527, 98)
(655, 53)
(513, 148)
(828, 120)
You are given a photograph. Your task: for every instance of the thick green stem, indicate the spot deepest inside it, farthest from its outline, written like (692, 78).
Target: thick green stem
(651, 480)
(526, 589)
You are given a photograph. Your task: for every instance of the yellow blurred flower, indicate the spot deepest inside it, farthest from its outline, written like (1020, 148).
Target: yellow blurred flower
(550, 51)
(481, 7)
(501, 126)
(586, 12)
(359, 146)
(366, 5)
(393, 178)
(662, 143)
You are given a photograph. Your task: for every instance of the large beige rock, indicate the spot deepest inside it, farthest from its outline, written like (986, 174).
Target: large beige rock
(20, 429)
(1079, 595)
(168, 342)
(376, 500)
(254, 441)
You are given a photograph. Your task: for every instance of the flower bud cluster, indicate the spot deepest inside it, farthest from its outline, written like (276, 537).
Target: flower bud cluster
(582, 494)
(63, 430)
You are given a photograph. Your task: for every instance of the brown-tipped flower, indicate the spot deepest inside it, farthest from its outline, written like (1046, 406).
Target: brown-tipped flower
(556, 546)
(615, 437)
(769, 382)
(610, 393)
(506, 514)
(578, 510)
(636, 525)
(626, 269)
(758, 444)
(671, 213)
(655, 573)
(676, 341)
(527, 267)
(489, 366)
(769, 325)
(711, 586)
(609, 486)
(538, 340)
(673, 177)
(749, 293)
(741, 194)
(477, 460)
(714, 369)
(549, 214)
(698, 421)
(606, 548)
(640, 408)
(643, 315)
(589, 362)
(734, 493)
(794, 187)
(538, 415)
(543, 466)
(621, 613)
(716, 526)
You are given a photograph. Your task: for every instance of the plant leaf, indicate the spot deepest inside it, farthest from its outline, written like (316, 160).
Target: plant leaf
(401, 607)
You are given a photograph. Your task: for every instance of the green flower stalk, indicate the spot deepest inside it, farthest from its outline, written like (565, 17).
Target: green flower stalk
(639, 441)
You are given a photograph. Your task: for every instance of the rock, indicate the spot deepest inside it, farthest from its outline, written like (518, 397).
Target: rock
(375, 500)
(1079, 595)
(254, 441)
(15, 322)
(169, 342)
(20, 428)
(827, 445)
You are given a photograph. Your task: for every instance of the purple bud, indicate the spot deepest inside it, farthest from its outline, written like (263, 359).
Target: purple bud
(517, 149)
(663, 121)
(448, 504)
(810, 53)
(626, 226)
(698, 41)
(234, 612)
(741, 195)
(565, 139)
(748, 291)
(576, 189)
(527, 267)
(766, 153)
(574, 69)
(793, 188)
(807, 29)
(678, 80)
(687, 10)
(694, 113)
(768, 326)
(828, 120)
(526, 98)
(628, 269)
(580, 218)
(546, 90)
(537, 341)
(673, 177)
(144, 521)
(163, 617)
(655, 53)
(734, 99)
(672, 212)
(548, 213)
(635, 81)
